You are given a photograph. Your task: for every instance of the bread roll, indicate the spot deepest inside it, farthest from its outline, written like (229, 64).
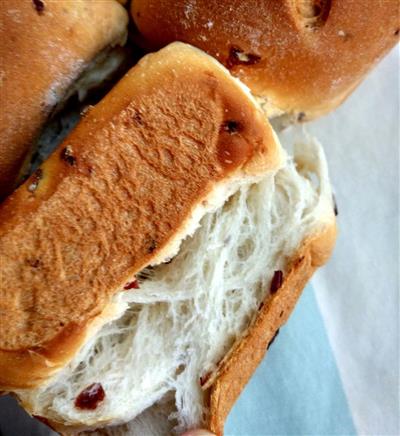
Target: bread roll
(167, 144)
(195, 329)
(147, 265)
(301, 57)
(45, 46)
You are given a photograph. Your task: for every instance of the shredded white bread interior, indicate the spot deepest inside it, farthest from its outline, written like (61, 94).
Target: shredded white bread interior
(188, 312)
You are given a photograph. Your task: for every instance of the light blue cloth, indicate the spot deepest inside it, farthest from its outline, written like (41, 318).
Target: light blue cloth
(296, 390)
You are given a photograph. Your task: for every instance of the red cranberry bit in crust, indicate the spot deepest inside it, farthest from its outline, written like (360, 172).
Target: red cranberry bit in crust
(36, 177)
(39, 6)
(301, 116)
(204, 379)
(90, 397)
(273, 339)
(238, 57)
(152, 246)
(67, 156)
(277, 281)
(231, 126)
(132, 285)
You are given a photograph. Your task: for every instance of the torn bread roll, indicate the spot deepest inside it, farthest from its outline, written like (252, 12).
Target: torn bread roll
(50, 50)
(152, 258)
(170, 142)
(196, 328)
(302, 58)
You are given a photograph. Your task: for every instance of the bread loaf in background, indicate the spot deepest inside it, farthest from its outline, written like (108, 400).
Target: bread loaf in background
(45, 47)
(301, 57)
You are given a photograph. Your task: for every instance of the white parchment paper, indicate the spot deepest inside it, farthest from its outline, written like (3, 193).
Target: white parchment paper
(358, 291)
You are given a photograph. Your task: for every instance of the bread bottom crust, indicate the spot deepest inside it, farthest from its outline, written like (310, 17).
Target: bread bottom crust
(244, 358)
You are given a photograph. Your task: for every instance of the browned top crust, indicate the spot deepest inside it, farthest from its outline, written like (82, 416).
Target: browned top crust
(304, 56)
(112, 197)
(44, 47)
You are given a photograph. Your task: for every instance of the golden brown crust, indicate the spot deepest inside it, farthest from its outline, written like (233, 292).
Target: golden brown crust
(29, 367)
(42, 52)
(241, 363)
(303, 56)
(113, 196)
(39, 362)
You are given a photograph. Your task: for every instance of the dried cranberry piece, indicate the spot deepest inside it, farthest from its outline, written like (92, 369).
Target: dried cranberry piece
(132, 285)
(152, 246)
(90, 397)
(273, 339)
(204, 379)
(301, 116)
(277, 281)
(36, 177)
(231, 126)
(34, 263)
(67, 156)
(137, 116)
(39, 6)
(238, 57)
